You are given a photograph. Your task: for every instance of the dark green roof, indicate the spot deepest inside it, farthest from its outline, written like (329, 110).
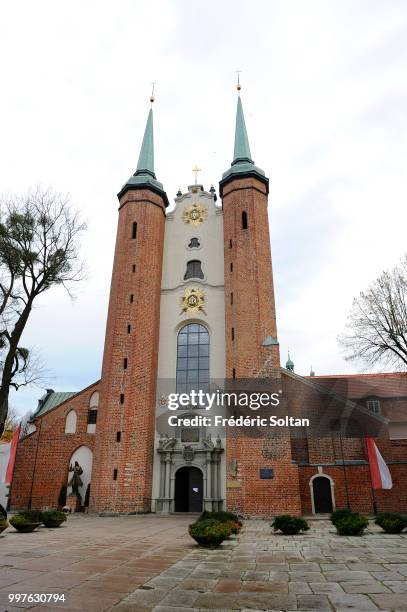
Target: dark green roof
(52, 399)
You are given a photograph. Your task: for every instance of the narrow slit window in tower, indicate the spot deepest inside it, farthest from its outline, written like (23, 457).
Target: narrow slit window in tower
(125, 363)
(131, 298)
(115, 474)
(122, 398)
(233, 333)
(244, 220)
(118, 436)
(134, 230)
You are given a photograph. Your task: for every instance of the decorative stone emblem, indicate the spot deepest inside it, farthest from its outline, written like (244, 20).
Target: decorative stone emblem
(193, 301)
(195, 214)
(188, 453)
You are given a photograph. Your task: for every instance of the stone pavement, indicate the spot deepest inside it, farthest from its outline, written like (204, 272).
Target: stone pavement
(142, 563)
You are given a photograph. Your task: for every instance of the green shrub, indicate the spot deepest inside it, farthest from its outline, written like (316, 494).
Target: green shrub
(23, 523)
(340, 514)
(353, 524)
(289, 525)
(221, 516)
(33, 516)
(391, 522)
(53, 518)
(3, 525)
(209, 532)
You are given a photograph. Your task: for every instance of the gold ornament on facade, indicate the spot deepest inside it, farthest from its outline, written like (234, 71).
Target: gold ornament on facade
(193, 301)
(195, 214)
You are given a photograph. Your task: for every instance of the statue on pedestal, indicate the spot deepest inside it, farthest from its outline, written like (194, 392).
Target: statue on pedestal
(76, 481)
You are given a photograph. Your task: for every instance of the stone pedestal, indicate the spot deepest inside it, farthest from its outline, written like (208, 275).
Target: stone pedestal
(74, 502)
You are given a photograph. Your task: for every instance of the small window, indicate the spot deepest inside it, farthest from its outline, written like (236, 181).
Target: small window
(194, 243)
(92, 417)
(233, 333)
(244, 220)
(134, 268)
(125, 363)
(194, 270)
(373, 404)
(115, 474)
(231, 266)
(234, 374)
(230, 243)
(128, 329)
(134, 230)
(118, 436)
(131, 298)
(122, 398)
(231, 298)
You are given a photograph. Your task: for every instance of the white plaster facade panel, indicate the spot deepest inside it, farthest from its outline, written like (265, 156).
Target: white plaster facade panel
(177, 253)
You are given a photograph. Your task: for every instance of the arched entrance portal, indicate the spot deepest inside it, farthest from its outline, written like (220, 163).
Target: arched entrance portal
(322, 494)
(188, 489)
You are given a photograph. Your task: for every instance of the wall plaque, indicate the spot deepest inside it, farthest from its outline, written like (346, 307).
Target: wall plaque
(266, 473)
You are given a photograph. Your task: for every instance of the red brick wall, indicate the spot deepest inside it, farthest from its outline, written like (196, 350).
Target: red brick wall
(132, 457)
(252, 316)
(49, 449)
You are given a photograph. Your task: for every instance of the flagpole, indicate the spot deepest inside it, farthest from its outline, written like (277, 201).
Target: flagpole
(35, 466)
(370, 476)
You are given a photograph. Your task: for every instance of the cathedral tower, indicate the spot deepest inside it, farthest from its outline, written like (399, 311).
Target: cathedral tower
(252, 349)
(251, 334)
(123, 461)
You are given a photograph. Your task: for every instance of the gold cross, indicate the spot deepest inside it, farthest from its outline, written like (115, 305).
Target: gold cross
(196, 170)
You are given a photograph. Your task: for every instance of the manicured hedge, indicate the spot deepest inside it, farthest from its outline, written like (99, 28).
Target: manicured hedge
(289, 525)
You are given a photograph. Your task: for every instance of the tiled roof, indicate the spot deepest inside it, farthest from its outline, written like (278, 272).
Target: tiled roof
(357, 386)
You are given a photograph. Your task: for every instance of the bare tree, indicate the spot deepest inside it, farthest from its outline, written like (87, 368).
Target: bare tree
(376, 330)
(38, 250)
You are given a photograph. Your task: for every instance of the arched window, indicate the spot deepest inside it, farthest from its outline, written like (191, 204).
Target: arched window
(70, 423)
(244, 220)
(194, 270)
(93, 412)
(194, 243)
(192, 358)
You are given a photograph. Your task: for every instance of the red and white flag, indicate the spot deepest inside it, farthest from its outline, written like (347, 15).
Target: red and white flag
(381, 477)
(12, 458)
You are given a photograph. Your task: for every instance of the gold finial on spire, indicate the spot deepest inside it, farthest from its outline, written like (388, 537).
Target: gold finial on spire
(238, 86)
(196, 170)
(152, 93)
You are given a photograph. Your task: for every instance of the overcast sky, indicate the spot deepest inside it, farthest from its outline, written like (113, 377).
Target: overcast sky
(325, 99)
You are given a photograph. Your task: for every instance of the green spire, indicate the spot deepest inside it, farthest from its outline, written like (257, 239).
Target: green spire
(242, 147)
(146, 158)
(289, 363)
(144, 177)
(242, 164)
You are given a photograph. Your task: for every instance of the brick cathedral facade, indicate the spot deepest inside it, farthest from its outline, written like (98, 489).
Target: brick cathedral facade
(192, 302)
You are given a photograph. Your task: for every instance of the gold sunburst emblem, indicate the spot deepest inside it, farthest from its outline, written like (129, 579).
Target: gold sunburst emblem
(195, 214)
(193, 301)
